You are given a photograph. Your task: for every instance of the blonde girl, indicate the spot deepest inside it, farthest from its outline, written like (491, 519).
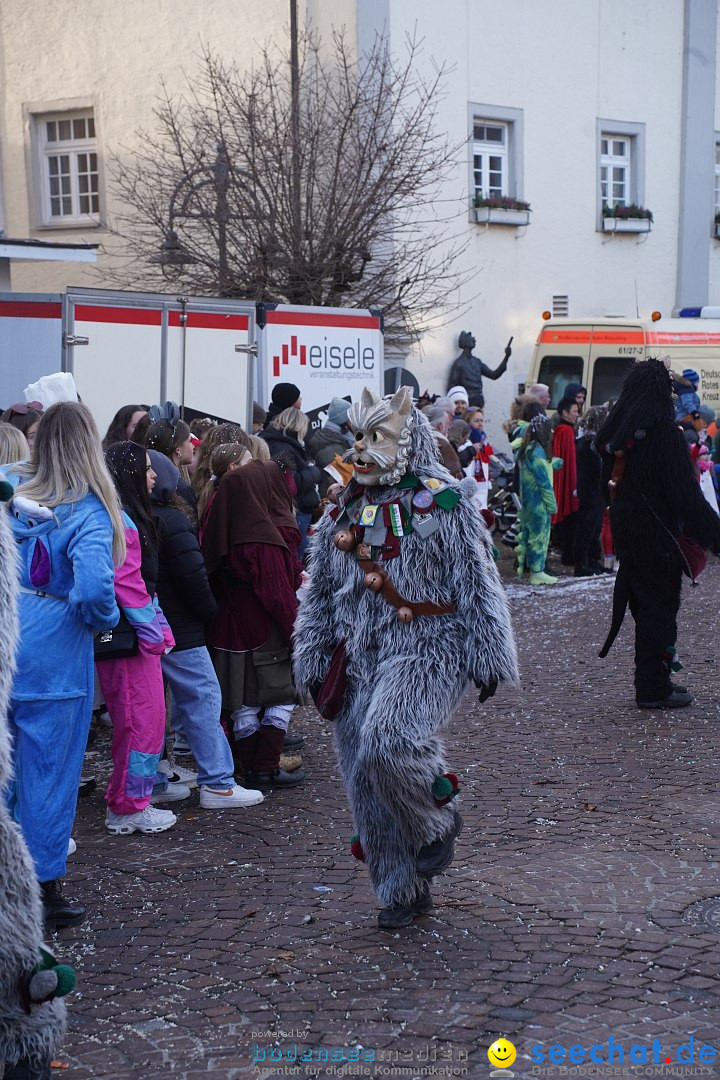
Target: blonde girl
(65, 517)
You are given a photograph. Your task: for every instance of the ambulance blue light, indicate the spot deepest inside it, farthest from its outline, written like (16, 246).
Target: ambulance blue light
(690, 313)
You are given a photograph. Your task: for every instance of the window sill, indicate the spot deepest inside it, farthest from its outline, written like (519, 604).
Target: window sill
(626, 225)
(490, 215)
(63, 226)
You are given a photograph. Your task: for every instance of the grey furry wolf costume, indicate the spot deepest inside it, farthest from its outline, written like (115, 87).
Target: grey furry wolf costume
(404, 679)
(31, 1033)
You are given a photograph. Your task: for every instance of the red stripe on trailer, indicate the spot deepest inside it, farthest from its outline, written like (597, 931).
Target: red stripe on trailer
(276, 366)
(303, 355)
(300, 318)
(210, 320)
(285, 354)
(28, 309)
(293, 345)
(138, 316)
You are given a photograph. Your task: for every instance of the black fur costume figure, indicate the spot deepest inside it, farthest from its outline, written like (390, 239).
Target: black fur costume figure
(656, 512)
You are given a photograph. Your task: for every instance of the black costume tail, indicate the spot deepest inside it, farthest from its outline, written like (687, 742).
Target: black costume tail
(621, 597)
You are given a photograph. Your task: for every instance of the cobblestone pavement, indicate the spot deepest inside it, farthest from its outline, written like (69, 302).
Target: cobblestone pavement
(568, 916)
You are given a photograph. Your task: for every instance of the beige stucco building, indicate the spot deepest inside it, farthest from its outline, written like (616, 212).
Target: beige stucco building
(556, 99)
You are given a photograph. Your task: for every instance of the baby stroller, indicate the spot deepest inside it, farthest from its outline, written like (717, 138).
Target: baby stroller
(504, 500)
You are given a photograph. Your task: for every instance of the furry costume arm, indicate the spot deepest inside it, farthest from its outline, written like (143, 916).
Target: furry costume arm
(672, 475)
(490, 652)
(316, 634)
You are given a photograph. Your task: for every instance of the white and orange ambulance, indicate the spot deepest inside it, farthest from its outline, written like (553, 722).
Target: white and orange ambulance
(597, 352)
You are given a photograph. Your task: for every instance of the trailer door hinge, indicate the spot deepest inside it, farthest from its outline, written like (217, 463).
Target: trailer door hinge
(72, 339)
(247, 349)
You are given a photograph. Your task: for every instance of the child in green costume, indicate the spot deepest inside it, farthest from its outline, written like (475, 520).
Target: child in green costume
(538, 499)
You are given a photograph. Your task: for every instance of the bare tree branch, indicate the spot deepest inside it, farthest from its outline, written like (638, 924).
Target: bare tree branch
(369, 165)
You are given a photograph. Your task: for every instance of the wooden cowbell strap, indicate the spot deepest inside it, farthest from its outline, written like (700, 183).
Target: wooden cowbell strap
(388, 591)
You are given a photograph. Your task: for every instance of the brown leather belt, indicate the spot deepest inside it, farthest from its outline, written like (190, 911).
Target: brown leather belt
(388, 592)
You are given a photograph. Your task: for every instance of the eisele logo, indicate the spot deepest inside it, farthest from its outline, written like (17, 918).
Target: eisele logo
(351, 356)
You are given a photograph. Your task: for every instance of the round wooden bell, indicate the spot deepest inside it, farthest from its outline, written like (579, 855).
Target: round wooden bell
(344, 540)
(405, 614)
(374, 580)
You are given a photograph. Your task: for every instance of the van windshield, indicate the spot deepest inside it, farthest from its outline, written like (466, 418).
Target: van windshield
(608, 376)
(557, 372)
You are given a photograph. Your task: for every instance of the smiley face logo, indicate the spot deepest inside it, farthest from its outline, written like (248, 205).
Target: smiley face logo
(502, 1053)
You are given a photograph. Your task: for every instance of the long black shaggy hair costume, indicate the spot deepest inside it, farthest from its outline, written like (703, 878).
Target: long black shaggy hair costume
(655, 501)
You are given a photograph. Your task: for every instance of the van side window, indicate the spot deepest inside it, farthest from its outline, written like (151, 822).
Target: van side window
(557, 372)
(608, 375)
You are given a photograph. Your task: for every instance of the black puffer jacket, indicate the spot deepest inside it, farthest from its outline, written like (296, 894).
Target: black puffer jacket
(306, 475)
(183, 589)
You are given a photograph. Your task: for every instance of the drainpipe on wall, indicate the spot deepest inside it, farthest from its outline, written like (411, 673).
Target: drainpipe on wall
(697, 154)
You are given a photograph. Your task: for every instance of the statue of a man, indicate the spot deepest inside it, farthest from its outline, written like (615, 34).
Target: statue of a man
(468, 370)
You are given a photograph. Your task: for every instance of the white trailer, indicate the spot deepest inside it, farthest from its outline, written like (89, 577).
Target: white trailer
(212, 356)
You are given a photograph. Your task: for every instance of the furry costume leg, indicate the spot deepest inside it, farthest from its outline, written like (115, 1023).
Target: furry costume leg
(654, 602)
(389, 755)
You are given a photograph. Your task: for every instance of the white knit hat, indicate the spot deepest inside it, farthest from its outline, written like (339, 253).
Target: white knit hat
(458, 392)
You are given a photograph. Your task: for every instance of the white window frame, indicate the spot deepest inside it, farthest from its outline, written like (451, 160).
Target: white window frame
(39, 152)
(488, 151)
(512, 122)
(615, 158)
(634, 161)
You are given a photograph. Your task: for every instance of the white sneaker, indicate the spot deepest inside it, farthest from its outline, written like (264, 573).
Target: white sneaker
(148, 820)
(176, 774)
(234, 796)
(72, 846)
(174, 792)
(181, 745)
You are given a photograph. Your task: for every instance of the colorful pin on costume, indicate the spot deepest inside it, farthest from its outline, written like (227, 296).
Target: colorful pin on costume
(422, 500)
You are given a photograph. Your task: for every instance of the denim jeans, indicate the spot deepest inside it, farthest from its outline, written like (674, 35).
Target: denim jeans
(303, 520)
(196, 703)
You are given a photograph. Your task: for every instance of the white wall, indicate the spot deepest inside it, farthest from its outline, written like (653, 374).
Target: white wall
(116, 55)
(564, 64)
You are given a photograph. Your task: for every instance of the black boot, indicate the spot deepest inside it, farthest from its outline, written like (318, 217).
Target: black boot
(293, 742)
(266, 773)
(433, 858)
(276, 778)
(24, 1070)
(243, 751)
(399, 915)
(57, 910)
(676, 699)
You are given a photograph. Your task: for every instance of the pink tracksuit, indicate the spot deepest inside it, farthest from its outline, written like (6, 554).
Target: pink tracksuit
(133, 689)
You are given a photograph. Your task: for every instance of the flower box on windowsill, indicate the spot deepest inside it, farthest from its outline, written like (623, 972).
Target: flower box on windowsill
(495, 215)
(627, 225)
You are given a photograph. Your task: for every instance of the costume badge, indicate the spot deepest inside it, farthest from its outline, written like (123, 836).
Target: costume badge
(425, 525)
(396, 519)
(364, 551)
(368, 515)
(423, 500)
(375, 534)
(433, 484)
